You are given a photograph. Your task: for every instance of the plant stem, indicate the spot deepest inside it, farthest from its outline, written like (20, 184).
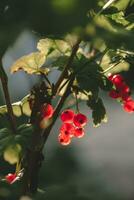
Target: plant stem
(58, 109)
(34, 156)
(64, 73)
(4, 81)
(111, 67)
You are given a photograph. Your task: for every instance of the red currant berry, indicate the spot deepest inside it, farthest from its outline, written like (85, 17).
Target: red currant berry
(67, 129)
(129, 106)
(47, 111)
(80, 120)
(117, 79)
(124, 88)
(10, 178)
(79, 132)
(67, 116)
(110, 76)
(114, 94)
(126, 97)
(64, 139)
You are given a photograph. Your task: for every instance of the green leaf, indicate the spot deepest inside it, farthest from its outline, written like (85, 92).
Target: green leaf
(23, 138)
(4, 132)
(3, 110)
(26, 106)
(98, 111)
(87, 75)
(44, 45)
(6, 137)
(60, 62)
(17, 109)
(118, 18)
(105, 84)
(11, 153)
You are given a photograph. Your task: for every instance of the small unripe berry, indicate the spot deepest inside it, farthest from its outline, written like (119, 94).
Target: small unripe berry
(79, 132)
(67, 116)
(47, 111)
(80, 120)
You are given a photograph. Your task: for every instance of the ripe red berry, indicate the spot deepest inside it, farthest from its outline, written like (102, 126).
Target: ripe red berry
(126, 97)
(114, 94)
(64, 139)
(67, 129)
(80, 120)
(129, 106)
(117, 79)
(47, 111)
(110, 76)
(79, 132)
(10, 178)
(67, 116)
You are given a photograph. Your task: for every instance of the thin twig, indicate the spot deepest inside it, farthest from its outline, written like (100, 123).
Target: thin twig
(111, 67)
(58, 109)
(4, 81)
(64, 73)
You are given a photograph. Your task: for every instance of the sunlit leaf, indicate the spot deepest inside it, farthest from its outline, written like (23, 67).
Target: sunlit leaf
(11, 153)
(17, 109)
(26, 106)
(30, 63)
(3, 109)
(44, 45)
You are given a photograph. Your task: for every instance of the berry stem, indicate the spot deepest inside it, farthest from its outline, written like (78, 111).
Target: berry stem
(77, 105)
(111, 67)
(68, 65)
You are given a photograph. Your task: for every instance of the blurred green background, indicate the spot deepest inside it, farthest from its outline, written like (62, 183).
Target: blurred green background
(101, 165)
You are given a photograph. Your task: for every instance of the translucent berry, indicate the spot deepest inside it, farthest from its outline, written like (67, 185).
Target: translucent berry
(47, 111)
(67, 116)
(126, 97)
(64, 139)
(129, 106)
(110, 76)
(10, 178)
(67, 129)
(124, 88)
(114, 94)
(80, 120)
(117, 79)
(79, 132)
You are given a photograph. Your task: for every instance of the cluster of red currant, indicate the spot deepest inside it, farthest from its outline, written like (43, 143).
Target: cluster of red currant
(72, 126)
(121, 92)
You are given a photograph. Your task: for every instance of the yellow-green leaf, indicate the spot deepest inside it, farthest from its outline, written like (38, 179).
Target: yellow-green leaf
(11, 154)
(44, 45)
(3, 109)
(17, 109)
(25, 105)
(30, 63)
